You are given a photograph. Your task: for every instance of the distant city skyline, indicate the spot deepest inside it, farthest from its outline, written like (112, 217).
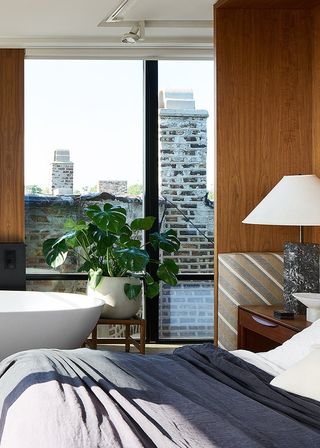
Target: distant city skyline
(95, 110)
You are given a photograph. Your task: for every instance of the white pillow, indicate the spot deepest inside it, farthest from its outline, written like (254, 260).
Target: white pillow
(303, 377)
(258, 361)
(295, 349)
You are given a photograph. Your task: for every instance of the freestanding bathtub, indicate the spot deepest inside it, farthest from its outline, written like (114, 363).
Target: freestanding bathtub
(30, 319)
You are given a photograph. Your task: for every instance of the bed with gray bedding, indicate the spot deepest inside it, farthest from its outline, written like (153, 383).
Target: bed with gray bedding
(198, 397)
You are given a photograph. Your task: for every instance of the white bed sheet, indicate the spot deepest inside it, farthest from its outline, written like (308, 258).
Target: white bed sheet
(259, 361)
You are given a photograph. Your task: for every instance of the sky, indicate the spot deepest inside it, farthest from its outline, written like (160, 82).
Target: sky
(95, 109)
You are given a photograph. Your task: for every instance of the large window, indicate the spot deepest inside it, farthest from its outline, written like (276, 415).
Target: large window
(85, 144)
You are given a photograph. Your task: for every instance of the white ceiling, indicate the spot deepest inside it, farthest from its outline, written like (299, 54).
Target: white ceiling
(80, 23)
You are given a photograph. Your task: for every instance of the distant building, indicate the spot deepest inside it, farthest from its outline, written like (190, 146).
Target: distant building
(115, 187)
(61, 173)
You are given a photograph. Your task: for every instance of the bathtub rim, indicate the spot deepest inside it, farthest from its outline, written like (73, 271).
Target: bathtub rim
(94, 302)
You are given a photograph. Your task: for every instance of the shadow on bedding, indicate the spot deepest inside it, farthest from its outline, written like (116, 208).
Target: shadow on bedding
(199, 396)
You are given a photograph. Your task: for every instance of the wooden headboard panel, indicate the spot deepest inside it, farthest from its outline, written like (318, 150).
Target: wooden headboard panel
(253, 278)
(267, 114)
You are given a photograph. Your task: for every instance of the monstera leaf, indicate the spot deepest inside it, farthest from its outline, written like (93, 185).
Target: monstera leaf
(132, 259)
(167, 241)
(55, 252)
(143, 223)
(152, 287)
(132, 291)
(167, 272)
(107, 245)
(100, 240)
(108, 218)
(94, 276)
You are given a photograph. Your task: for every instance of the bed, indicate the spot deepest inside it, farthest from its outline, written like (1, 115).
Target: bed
(199, 396)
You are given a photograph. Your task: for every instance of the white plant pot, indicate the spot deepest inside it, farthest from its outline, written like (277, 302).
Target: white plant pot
(117, 305)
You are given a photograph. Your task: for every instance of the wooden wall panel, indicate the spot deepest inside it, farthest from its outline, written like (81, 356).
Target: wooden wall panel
(268, 4)
(316, 104)
(263, 89)
(11, 145)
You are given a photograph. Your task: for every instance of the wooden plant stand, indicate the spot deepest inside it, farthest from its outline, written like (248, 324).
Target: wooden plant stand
(127, 340)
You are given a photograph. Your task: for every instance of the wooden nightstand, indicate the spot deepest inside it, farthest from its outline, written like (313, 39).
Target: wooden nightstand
(259, 331)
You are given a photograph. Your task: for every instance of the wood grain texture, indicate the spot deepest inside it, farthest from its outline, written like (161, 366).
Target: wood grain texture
(268, 4)
(11, 145)
(263, 85)
(297, 324)
(316, 104)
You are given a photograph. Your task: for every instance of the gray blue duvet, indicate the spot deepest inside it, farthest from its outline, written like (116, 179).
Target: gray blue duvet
(198, 397)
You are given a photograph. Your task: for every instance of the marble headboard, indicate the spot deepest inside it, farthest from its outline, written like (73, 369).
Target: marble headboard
(253, 278)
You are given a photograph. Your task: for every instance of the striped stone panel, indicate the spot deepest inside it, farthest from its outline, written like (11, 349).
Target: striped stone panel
(253, 278)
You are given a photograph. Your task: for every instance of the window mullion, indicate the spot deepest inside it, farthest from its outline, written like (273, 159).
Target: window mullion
(151, 181)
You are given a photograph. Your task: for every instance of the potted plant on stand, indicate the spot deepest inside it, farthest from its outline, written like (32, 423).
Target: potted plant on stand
(114, 257)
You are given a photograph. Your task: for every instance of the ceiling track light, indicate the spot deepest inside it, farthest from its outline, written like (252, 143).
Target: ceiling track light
(135, 34)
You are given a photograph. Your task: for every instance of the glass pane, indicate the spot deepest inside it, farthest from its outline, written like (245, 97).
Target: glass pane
(186, 310)
(72, 286)
(186, 186)
(186, 159)
(83, 144)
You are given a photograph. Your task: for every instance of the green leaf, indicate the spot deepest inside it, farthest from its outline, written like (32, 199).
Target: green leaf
(100, 241)
(148, 278)
(125, 230)
(152, 287)
(123, 240)
(133, 243)
(103, 245)
(67, 236)
(125, 234)
(167, 241)
(86, 266)
(110, 218)
(152, 290)
(132, 291)
(132, 259)
(107, 207)
(70, 224)
(55, 253)
(171, 265)
(77, 238)
(94, 277)
(143, 223)
(94, 233)
(167, 272)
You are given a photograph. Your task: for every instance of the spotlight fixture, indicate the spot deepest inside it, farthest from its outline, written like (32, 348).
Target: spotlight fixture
(136, 33)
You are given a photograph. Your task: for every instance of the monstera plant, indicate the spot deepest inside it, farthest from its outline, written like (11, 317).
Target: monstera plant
(109, 247)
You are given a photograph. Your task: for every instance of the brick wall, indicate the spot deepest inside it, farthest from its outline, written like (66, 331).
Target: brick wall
(186, 311)
(46, 214)
(183, 172)
(115, 187)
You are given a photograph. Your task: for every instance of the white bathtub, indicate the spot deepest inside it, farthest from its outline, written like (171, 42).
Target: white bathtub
(30, 319)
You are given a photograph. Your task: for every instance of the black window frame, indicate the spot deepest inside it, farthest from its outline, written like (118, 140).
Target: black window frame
(150, 207)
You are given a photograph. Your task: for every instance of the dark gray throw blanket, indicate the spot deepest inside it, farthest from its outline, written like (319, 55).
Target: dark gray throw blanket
(198, 397)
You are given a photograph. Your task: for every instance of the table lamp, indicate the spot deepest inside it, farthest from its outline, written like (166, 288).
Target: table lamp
(294, 201)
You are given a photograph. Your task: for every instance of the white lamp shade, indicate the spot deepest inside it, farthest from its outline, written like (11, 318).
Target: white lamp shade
(294, 201)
